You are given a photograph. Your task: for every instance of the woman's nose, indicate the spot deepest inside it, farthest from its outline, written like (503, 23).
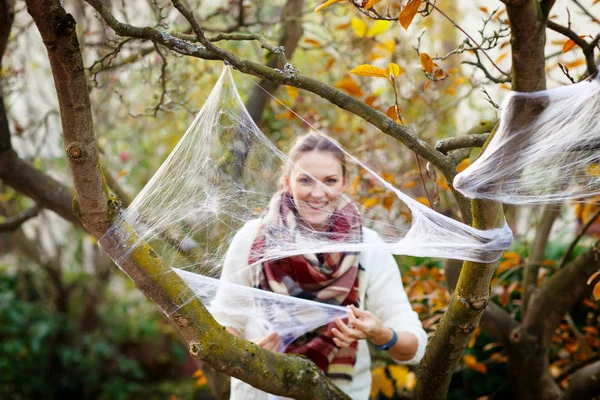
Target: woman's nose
(318, 190)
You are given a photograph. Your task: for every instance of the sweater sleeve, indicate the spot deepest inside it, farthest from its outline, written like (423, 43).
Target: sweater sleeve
(228, 305)
(386, 299)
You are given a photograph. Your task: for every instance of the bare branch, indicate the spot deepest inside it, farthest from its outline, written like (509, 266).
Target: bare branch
(460, 142)
(580, 234)
(288, 77)
(14, 223)
(587, 48)
(585, 383)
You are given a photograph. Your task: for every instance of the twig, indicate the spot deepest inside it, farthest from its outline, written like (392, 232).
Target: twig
(467, 35)
(578, 365)
(14, 223)
(579, 236)
(461, 142)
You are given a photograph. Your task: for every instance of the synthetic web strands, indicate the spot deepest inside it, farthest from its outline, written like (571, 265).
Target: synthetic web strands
(549, 158)
(223, 173)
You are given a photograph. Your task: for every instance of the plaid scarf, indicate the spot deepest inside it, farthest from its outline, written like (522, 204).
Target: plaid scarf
(329, 278)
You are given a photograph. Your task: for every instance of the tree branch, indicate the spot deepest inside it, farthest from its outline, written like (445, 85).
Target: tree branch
(460, 142)
(276, 373)
(585, 383)
(587, 48)
(537, 252)
(288, 76)
(14, 223)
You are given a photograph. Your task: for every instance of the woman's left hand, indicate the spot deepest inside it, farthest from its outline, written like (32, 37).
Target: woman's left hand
(361, 325)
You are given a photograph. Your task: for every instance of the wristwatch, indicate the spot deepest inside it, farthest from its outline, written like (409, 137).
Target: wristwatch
(390, 344)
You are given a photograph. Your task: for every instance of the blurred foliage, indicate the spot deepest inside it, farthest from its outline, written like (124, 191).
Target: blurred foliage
(45, 354)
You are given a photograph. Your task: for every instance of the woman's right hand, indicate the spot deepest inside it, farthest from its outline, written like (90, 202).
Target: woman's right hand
(270, 342)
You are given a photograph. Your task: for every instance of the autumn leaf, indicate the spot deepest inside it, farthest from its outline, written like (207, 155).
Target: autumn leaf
(427, 63)
(463, 165)
(442, 182)
(484, 9)
(591, 278)
(426, 86)
(370, 4)
(327, 3)
(381, 383)
(568, 45)
(369, 70)
(400, 374)
(597, 291)
(395, 69)
(575, 63)
(593, 169)
(388, 202)
(371, 202)
(349, 86)
(312, 42)
(501, 57)
(423, 200)
(378, 27)
(471, 362)
(292, 92)
(410, 185)
(359, 27)
(408, 13)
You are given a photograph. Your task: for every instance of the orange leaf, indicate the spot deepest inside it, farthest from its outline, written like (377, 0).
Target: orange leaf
(591, 278)
(341, 27)
(471, 362)
(597, 291)
(312, 41)
(501, 57)
(120, 175)
(568, 45)
(349, 86)
(511, 255)
(426, 86)
(423, 200)
(408, 13)
(369, 70)
(427, 63)
(327, 3)
(410, 185)
(391, 113)
(388, 202)
(575, 63)
(484, 9)
(463, 165)
(370, 4)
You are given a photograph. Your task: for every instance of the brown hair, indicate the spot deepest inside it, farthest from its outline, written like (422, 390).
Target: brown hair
(314, 142)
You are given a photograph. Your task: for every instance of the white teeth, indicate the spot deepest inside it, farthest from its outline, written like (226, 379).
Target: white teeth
(317, 206)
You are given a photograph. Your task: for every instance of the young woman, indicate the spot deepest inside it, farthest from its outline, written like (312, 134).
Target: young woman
(311, 201)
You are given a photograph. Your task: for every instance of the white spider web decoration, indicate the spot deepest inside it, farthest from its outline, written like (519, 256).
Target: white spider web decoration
(223, 173)
(550, 159)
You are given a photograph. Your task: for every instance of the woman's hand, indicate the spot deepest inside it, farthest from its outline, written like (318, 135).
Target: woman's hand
(270, 342)
(361, 325)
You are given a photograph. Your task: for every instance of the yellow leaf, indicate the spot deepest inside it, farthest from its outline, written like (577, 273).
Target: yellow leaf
(359, 26)
(597, 291)
(120, 175)
(399, 374)
(327, 3)
(292, 92)
(463, 165)
(591, 278)
(371, 202)
(593, 169)
(378, 27)
(408, 13)
(349, 86)
(381, 383)
(369, 70)
(484, 9)
(395, 69)
(370, 4)
(442, 182)
(423, 200)
(410, 185)
(471, 362)
(501, 57)
(427, 63)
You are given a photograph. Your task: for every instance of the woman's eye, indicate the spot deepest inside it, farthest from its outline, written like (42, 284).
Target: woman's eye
(331, 181)
(304, 180)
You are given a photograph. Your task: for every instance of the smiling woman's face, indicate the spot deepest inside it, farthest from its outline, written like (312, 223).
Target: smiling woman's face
(316, 181)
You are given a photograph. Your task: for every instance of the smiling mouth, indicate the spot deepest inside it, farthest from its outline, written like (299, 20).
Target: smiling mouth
(317, 206)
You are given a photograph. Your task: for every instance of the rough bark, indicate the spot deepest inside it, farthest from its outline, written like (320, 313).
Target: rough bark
(206, 340)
